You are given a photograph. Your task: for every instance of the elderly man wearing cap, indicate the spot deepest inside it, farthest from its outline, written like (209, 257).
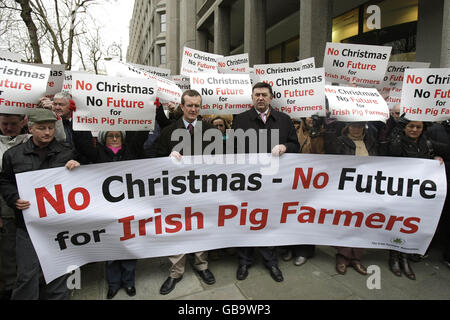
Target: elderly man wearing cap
(41, 151)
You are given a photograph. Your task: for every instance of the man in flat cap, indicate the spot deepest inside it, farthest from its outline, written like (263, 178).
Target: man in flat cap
(41, 151)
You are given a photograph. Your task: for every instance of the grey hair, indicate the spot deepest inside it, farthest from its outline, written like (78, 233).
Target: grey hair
(63, 95)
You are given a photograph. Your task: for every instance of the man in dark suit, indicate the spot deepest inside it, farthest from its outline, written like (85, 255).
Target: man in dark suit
(171, 143)
(263, 116)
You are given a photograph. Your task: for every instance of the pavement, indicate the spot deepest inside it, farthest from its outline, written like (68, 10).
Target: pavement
(315, 280)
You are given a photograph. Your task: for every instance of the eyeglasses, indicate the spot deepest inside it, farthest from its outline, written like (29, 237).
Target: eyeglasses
(114, 136)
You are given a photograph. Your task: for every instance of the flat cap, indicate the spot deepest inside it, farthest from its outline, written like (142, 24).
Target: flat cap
(37, 115)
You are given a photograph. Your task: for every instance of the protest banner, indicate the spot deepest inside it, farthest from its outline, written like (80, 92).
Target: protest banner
(56, 78)
(195, 61)
(234, 64)
(184, 83)
(138, 209)
(426, 94)
(262, 71)
(223, 93)
(358, 64)
(356, 104)
(300, 93)
(167, 90)
(10, 56)
(160, 72)
(392, 84)
(113, 103)
(21, 86)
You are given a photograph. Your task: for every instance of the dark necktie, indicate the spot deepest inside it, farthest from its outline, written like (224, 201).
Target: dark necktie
(190, 128)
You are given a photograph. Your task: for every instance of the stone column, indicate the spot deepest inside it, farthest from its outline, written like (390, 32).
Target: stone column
(172, 36)
(222, 33)
(315, 29)
(255, 31)
(433, 33)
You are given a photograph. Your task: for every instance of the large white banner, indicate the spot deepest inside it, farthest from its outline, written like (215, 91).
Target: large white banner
(156, 207)
(356, 104)
(426, 94)
(21, 86)
(358, 64)
(299, 94)
(112, 103)
(223, 93)
(10, 56)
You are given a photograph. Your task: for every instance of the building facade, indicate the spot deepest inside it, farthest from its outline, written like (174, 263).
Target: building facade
(287, 30)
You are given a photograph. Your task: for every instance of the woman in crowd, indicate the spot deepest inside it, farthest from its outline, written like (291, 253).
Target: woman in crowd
(354, 140)
(408, 139)
(111, 146)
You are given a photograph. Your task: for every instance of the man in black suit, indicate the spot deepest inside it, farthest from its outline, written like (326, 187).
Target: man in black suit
(171, 143)
(263, 116)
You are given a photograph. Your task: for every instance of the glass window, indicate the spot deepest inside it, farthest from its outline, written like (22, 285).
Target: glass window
(163, 54)
(163, 22)
(345, 26)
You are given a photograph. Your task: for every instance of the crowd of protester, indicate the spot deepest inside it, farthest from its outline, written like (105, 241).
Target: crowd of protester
(45, 139)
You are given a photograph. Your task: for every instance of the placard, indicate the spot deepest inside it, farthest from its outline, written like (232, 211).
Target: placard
(195, 61)
(223, 93)
(113, 103)
(426, 94)
(299, 94)
(234, 64)
(393, 80)
(361, 65)
(21, 86)
(356, 104)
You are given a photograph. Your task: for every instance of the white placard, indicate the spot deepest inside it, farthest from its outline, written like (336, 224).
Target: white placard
(234, 64)
(195, 61)
(160, 72)
(168, 91)
(299, 94)
(362, 65)
(182, 82)
(356, 104)
(262, 71)
(56, 78)
(21, 86)
(426, 94)
(223, 93)
(155, 208)
(393, 80)
(112, 103)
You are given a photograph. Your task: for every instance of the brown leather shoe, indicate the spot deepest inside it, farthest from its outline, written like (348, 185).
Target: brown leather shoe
(394, 263)
(359, 267)
(341, 268)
